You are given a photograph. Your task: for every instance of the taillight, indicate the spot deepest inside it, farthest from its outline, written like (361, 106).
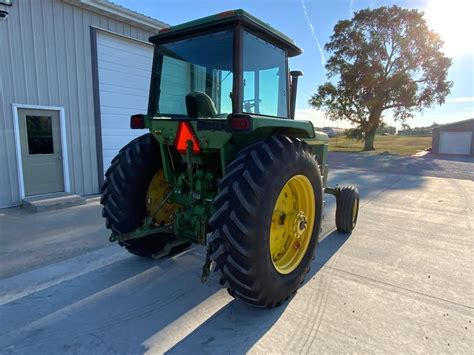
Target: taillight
(183, 136)
(240, 123)
(137, 121)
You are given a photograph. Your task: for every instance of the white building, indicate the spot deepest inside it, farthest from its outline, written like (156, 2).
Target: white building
(72, 73)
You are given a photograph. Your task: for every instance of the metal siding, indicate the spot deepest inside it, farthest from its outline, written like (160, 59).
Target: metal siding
(6, 134)
(8, 90)
(47, 51)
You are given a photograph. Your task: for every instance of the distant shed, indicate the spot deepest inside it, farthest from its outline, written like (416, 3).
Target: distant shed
(454, 138)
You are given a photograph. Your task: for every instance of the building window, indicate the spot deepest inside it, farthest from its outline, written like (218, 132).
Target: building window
(39, 130)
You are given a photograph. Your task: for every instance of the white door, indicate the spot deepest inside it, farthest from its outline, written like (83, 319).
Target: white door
(455, 142)
(124, 68)
(41, 151)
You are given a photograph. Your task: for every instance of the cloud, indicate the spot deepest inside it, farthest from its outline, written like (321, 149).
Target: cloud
(318, 119)
(460, 99)
(310, 114)
(313, 33)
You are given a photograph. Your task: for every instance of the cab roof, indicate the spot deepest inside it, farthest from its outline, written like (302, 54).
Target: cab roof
(228, 19)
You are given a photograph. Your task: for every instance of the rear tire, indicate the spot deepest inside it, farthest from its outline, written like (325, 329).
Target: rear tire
(347, 209)
(124, 194)
(241, 225)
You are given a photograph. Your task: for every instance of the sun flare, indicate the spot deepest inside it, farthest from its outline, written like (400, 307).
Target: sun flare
(453, 21)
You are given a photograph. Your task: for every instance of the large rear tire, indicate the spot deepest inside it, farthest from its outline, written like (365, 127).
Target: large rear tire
(267, 220)
(124, 194)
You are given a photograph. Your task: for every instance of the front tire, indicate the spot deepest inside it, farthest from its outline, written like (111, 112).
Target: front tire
(251, 220)
(347, 209)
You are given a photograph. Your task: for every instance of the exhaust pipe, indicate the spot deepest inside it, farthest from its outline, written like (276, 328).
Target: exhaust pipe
(294, 88)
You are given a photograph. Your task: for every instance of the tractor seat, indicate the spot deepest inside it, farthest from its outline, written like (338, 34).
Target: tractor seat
(200, 105)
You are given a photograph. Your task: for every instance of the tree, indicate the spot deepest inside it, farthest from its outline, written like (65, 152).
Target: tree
(385, 59)
(385, 129)
(354, 133)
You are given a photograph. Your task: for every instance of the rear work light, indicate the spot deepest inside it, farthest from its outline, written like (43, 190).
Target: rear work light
(240, 123)
(184, 135)
(137, 121)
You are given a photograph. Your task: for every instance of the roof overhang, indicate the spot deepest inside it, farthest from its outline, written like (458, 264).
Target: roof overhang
(120, 13)
(471, 120)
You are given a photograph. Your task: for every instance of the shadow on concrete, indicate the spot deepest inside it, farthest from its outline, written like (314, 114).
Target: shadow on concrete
(113, 309)
(238, 326)
(30, 240)
(446, 166)
(116, 307)
(123, 307)
(451, 157)
(373, 181)
(119, 307)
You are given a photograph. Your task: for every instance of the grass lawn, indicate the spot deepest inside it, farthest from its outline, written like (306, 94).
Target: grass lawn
(403, 145)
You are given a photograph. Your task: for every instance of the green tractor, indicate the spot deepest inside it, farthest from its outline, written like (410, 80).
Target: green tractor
(225, 163)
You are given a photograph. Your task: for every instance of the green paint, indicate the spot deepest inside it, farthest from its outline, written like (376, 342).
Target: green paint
(195, 25)
(195, 177)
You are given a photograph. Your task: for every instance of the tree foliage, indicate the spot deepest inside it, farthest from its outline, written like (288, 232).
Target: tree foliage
(384, 59)
(354, 133)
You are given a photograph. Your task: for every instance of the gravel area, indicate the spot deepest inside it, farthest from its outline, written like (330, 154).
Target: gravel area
(445, 166)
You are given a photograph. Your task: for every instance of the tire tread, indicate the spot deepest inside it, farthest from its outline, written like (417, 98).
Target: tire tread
(234, 220)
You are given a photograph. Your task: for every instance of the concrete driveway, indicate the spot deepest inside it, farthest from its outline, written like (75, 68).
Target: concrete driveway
(438, 165)
(402, 282)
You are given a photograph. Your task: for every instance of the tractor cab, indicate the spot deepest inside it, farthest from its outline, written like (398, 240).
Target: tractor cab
(229, 63)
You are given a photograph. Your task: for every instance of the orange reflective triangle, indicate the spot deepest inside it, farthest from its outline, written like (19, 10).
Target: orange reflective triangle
(185, 133)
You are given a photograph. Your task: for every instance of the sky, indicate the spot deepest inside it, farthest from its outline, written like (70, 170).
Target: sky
(310, 23)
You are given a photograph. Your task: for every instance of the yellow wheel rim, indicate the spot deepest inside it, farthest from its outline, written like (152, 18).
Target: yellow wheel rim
(157, 190)
(292, 224)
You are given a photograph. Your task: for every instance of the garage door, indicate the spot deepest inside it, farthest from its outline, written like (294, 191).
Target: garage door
(124, 68)
(455, 142)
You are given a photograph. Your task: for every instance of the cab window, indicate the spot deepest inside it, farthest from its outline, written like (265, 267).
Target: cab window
(264, 78)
